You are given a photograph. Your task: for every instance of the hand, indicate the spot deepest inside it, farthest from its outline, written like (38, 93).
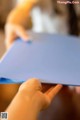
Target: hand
(16, 21)
(12, 31)
(33, 87)
(30, 100)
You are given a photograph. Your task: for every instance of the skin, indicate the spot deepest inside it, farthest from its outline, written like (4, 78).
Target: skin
(77, 90)
(30, 100)
(15, 24)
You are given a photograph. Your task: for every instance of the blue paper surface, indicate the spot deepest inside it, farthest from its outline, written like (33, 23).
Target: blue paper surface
(50, 58)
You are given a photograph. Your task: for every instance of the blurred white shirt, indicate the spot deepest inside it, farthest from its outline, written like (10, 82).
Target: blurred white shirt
(43, 22)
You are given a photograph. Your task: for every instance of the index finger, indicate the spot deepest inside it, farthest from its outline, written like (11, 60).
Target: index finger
(21, 32)
(54, 91)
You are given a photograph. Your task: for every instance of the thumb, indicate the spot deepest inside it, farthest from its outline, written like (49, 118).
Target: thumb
(9, 39)
(21, 32)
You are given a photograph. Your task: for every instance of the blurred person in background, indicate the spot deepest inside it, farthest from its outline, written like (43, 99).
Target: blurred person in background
(46, 16)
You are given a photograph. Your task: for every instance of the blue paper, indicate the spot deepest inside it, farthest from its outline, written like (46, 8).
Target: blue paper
(50, 58)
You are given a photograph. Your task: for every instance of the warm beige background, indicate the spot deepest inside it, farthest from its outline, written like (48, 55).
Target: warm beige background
(2, 44)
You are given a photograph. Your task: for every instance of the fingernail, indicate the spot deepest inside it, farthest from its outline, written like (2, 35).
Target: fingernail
(28, 39)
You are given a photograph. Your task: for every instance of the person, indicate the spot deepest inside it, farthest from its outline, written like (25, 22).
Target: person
(30, 100)
(47, 16)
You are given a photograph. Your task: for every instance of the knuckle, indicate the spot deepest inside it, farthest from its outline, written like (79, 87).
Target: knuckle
(22, 87)
(34, 81)
(31, 85)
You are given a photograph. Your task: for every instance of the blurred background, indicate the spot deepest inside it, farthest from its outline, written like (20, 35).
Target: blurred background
(66, 105)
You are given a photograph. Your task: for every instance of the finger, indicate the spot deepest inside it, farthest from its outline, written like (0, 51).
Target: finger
(77, 90)
(53, 91)
(21, 32)
(45, 87)
(9, 40)
(31, 85)
(47, 92)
